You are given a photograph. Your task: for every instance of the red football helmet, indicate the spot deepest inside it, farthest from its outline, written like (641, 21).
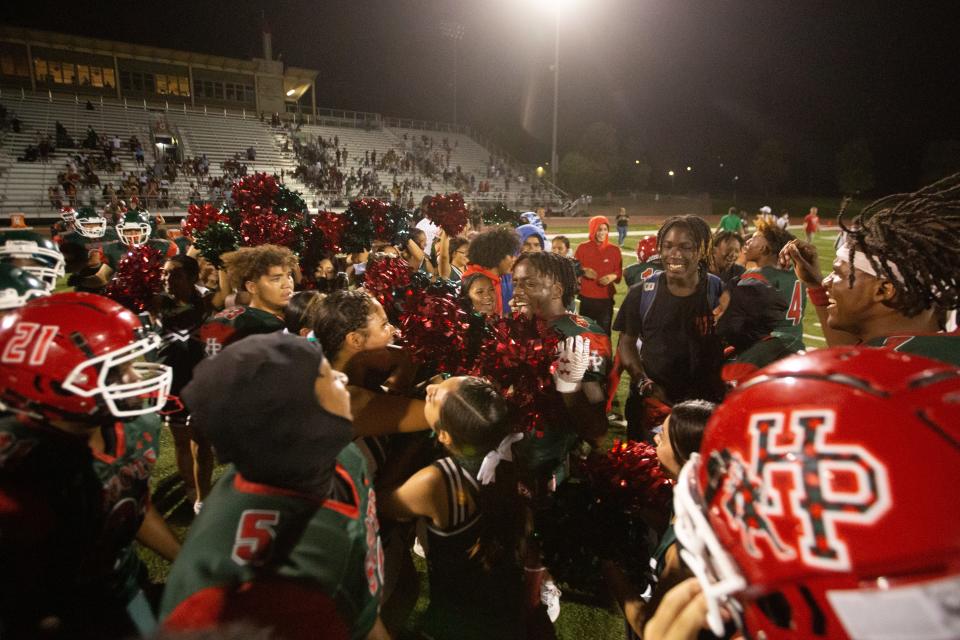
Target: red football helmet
(646, 248)
(822, 505)
(79, 356)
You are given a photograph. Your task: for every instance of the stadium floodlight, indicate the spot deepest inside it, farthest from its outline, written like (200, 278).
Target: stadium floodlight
(291, 92)
(557, 7)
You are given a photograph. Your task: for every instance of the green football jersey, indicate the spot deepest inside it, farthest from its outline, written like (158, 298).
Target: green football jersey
(944, 347)
(236, 323)
(124, 467)
(544, 451)
(640, 270)
(114, 252)
(249, 535)
(794, 293)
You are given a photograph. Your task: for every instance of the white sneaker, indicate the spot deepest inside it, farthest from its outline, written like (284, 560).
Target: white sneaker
(197, 506)
(550, 596)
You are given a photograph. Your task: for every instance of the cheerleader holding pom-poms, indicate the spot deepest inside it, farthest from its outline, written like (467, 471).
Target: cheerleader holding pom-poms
(473, 514)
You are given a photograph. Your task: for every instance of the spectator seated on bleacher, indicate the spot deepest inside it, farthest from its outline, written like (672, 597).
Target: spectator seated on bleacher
(92, 141)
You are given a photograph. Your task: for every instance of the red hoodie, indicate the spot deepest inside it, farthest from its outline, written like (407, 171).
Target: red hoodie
(603, 258)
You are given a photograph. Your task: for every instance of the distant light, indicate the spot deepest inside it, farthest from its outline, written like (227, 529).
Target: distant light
(556, 5)
(636, 162)
(540, 172)
(291, 92)
(735, 178)
(670, 173)
(689, 168)
(721, 165)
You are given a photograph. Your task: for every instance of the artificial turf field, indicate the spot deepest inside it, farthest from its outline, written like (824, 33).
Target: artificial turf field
(582, 616)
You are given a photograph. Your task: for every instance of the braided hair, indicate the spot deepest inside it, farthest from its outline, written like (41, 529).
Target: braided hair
(698, 229)
(560, 268)
(918, 233)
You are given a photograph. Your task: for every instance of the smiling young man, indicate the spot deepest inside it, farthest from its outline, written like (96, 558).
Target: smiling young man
(896, 278)
(763, 249)
(680, 357)
(602, 265)
(544, 284)
(266, 273)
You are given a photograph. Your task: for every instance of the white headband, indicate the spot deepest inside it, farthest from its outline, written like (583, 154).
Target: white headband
(488, 468)
(862, 262)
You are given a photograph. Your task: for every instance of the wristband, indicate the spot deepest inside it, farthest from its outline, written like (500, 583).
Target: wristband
(818, 296)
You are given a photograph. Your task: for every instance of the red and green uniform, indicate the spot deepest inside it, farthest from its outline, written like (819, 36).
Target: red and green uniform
(794, 293)
(944, 347)
(114, 252)
(304, 565)
(124, 467)
(236, 323)
(543, 452)
(640, 270)
(757, 356)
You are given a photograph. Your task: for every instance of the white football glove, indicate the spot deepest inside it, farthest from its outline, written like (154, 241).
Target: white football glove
(573, 357)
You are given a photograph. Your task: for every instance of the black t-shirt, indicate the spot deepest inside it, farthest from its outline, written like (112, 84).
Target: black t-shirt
(681, 351)
(733, 271)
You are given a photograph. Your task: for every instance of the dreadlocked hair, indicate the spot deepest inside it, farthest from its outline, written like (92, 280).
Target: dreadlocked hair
(917, 232)
(560, 268)
(477, 419)
(698, 229)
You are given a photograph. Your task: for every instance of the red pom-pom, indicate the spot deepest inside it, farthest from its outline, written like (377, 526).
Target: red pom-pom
(139, 278)
(199, 217)
(254, 194)
(433, 328)
(449, 212)
(629, 477)
(268, 228)
(517, 355)
(383, 276)
(326, 231)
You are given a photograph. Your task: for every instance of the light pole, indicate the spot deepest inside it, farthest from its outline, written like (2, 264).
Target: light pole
(671, 174)
(454, 31)
(556, 95)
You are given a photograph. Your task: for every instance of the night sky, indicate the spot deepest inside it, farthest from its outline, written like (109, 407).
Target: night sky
(683, 82)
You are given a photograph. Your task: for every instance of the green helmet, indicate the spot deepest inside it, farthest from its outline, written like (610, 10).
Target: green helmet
(89, 223)
(17, 286)
(134, 229)
(34, 253)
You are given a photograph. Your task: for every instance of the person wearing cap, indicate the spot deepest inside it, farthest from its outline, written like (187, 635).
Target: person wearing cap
(288, 538)
(602, 265)
(895, 281)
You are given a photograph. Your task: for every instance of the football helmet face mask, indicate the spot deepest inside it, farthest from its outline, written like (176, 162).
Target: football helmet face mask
(646, 248)
(89, 223)
(134, 230)
(82, 357)
(17, 287)
(819, 497)
(33, 253)
(68, 215)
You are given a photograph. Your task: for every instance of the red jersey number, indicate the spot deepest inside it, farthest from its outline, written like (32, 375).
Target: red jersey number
(795, 310)
(255, 534)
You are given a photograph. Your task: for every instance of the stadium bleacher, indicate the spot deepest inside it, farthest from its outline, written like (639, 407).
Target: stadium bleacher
(219, 135)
